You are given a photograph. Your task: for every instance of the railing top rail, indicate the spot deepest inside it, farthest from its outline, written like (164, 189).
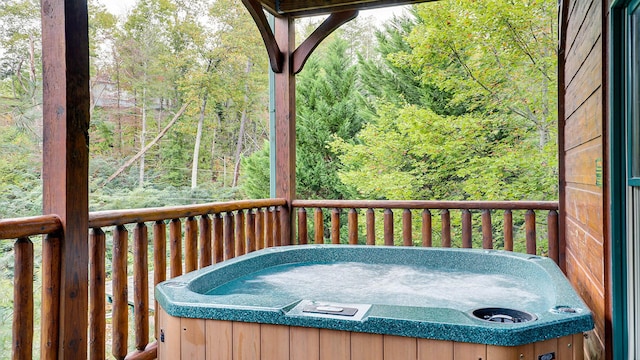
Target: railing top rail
(133, 216)
(29, 226)
(427, 204)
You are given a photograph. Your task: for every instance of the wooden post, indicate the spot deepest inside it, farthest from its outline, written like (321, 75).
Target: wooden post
(65, 170)
(285, 94)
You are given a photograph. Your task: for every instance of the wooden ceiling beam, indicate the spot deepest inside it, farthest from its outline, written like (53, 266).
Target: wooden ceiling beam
(333, 22)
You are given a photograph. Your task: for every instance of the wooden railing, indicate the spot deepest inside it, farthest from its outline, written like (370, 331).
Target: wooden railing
(22, 230)
(422, 211)
(200, 235)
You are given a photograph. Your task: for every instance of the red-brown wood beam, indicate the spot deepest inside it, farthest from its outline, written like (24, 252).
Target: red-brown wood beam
(65, 60)
(332, 23)
(275, 55)
(285, 104)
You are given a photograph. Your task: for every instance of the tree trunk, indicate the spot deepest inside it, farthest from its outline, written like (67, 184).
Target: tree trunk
(243, 121)
(143, 135)
(196, 148)
(146, 148)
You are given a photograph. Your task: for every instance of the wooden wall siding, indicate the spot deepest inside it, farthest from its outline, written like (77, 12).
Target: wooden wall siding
(225, 340)
(584, 156)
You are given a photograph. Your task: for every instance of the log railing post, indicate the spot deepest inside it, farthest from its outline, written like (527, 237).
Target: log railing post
(407, 238)
(119, 317)
(250, 244)
(190, 245)
(371, 227)
(352, 222)
(97, 321)
(552, 231)
(239, 233)
(141, 286)
(487, 230)
(175, 251)
(204, 226)
(318, 222)
(335, 226)
(23, 299)
(446, 228)
(388, 227)
(302, 226)
(260, 229)
(229, 249)
(159, 263)
(508, 230)
(218, 238)
(50, 317)
(466, 229)
(427, 235)
(268, 227)
(530, 227)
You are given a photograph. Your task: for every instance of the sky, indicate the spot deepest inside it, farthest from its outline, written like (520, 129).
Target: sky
(119, 7)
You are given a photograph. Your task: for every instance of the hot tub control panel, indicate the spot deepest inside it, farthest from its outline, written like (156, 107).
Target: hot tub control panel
(330, 310)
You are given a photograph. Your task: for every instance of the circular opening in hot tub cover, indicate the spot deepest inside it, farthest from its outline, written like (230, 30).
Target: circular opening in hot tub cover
(503, 315)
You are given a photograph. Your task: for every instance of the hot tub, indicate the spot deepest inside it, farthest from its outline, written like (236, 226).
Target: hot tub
(356, 302)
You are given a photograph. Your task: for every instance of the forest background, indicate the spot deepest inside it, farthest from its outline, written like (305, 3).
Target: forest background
(454, 100)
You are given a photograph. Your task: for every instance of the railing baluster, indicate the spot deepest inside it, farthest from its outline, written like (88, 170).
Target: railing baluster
(97, 320)
(552, 233)
(407, 237)
(530, 226)
(371, 227)
(446, 228)
(285, 225)
(218, 238)
(466, 229)
(49, 314)
(260, 229)
(508, 230)
(240, 233)
(250, 245)
(190, 245)
(268, 228)
(141, 286)
(229, 250)
(302, 226)
(427, 233)
(159, 263)
(318, 226)
(205, 240)
(277, 227)
(120, 324)
(487, 231)
(335, 226)
(353, 226)
(175, 239)
(23, 299)
(388, 227)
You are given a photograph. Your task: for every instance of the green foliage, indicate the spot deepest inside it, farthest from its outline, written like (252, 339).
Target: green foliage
(256, 176)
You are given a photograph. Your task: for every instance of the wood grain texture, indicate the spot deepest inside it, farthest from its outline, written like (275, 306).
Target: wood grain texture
(304, 343)
(467, 351)
(400, 348)
(190, 245)
(274, 342)
(219, 339)
(204, 248)
(318, 223)
(371, 227)
(97, 319)
(352, 221)
(175, 248)
(335, 226)
(22, 339)
(141, 286)
(367, 346)
(335, 345)
(435, 350)
(49, 315)
(303, 237)
(246, 341)
(119, 317)
(407, 237)
(427, 231)
(192, 339)
(169, 346)
(387, 218)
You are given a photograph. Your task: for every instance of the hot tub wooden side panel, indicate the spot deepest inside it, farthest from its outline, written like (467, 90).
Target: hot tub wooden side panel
(199, 339)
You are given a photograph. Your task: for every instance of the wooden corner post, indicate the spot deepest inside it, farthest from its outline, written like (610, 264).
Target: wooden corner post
(65, 60)
(285, 95)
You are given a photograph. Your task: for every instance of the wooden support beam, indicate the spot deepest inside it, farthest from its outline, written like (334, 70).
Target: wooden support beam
(276, 58)
(65, 60)
(285, 94)
(331, 24)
